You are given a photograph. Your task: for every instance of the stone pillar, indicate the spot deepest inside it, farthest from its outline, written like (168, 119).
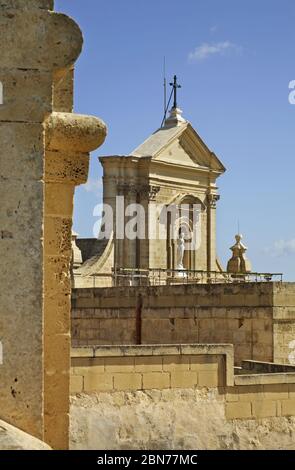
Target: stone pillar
(69, 139)
(130, 247)
(38, 49)
(147, 255)
(211, 231)
(119, 214)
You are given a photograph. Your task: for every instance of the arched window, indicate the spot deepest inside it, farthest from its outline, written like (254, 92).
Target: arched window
(189, 224)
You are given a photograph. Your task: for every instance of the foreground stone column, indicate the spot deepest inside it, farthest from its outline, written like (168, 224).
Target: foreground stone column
(69, 139)
(38, 49)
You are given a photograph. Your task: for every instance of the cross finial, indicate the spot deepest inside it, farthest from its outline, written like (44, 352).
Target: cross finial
(175, 86)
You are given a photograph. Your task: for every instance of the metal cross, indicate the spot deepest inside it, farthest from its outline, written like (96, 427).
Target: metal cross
(175, 87)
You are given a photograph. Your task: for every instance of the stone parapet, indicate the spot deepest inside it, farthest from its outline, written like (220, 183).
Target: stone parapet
(151, 367)
(249, 316)
(107, 369)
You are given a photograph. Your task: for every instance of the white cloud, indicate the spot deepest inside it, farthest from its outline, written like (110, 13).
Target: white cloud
(213, 29)
(93, 186)
(282, 248)
(206, 50)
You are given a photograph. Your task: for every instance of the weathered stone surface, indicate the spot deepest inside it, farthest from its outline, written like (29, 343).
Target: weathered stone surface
(21, 306)
(28, 4)
(250, 316)
(59, 46)
(12, 438)
(27, 95)
(170, 419)
(181, 396)
(38, 49)
(58, 281)
(23, 157)
(60, 166)
(63, 91)
(66, 131)
(19, 212)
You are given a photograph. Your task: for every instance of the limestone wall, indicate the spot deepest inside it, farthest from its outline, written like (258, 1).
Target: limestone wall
(44, 153)
(146, 368)
(29, 59)
(249, 316)
(181, 396)
(170, 419)
(261, 396)
(69, 139)
(284, 325)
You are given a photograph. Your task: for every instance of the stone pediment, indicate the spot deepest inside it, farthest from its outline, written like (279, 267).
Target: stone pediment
(179, 145)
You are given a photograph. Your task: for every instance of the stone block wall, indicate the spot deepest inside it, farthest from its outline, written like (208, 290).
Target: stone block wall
(146, 368)
(284, 325)
(176, 396)
(261, 396)
(249, 316)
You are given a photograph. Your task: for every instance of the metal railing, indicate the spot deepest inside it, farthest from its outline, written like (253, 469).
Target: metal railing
(158, 277)
(165, 277)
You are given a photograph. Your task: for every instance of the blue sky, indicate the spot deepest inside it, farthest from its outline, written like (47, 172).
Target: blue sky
(235, 60)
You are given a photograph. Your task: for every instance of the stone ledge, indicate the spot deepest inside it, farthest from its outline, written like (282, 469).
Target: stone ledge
(264, 379)
(261, 367)
(225, 350)
(152, 350)
(76, 132)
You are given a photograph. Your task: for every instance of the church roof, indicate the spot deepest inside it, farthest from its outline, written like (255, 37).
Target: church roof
(159, 139)
(176, 128)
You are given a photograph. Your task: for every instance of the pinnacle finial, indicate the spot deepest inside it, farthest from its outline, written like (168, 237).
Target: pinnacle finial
(238, 263)
(175, 86)
(175, 113)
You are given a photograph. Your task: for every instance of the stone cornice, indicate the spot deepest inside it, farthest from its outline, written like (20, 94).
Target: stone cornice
(196, 170)
(74, 132)
(146, 191)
